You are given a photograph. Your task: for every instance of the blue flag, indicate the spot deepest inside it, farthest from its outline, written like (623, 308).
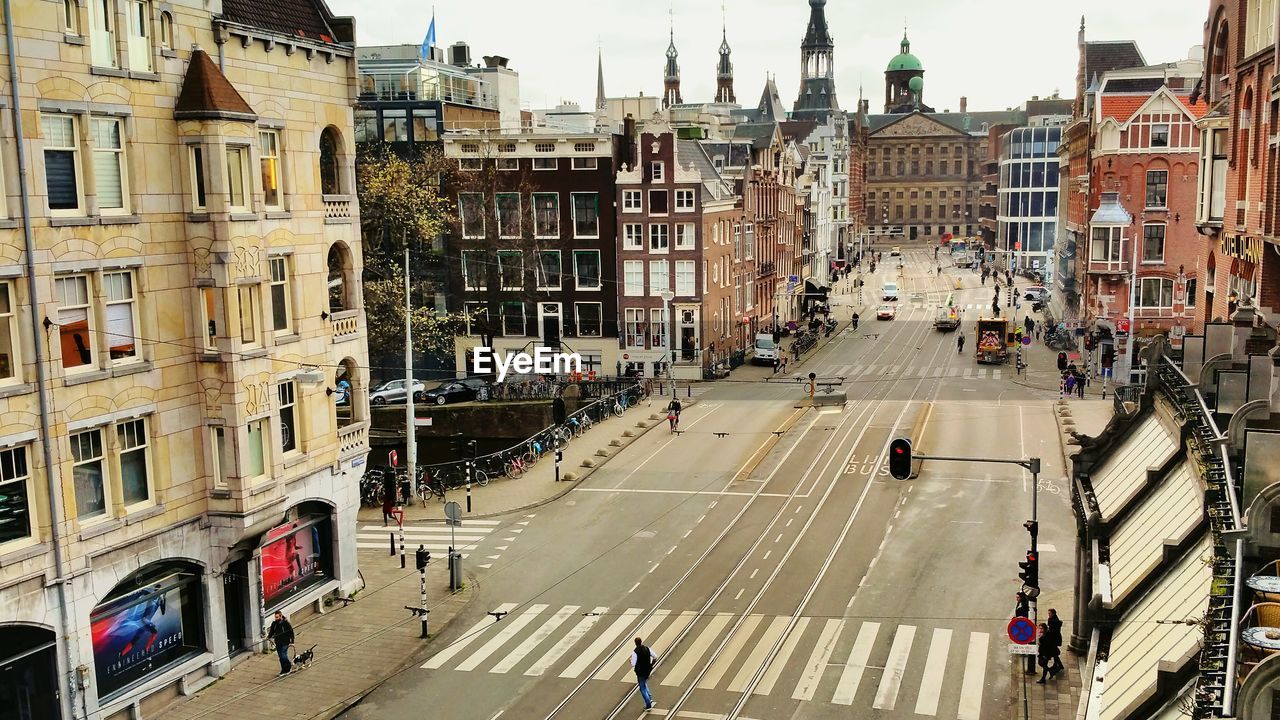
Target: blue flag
(430, 40)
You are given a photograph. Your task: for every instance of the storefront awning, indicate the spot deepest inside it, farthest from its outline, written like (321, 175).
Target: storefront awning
(815, 290)
(1124, 473)
(1167, 516)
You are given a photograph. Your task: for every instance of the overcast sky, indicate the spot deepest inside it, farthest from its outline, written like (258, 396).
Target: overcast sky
(552, 43)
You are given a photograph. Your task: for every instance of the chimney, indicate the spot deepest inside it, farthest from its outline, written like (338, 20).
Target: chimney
(964, 104)
(629, 140)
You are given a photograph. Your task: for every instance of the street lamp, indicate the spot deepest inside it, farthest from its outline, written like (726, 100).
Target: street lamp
(668, 337)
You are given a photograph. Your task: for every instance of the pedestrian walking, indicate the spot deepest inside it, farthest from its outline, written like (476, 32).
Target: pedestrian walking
(1055, 629)
(782, 367)
(1079, 376)
(281, 633)
(1046, 654)
(1062, 362)
(642, 661)
(777, 364)
(960, 343)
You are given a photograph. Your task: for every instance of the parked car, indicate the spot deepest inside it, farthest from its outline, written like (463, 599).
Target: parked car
(463, 390)
(1037, 293)
(886, 312)
(895, 252)
(392, 391)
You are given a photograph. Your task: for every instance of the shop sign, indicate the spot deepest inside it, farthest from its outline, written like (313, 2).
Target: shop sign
(292, 560)
(144, 631)
(1241, 247)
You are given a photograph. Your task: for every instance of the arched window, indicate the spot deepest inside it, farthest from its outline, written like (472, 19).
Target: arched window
(339, 272)
(349, 393)
(70, 17)
(330, 170)
(166, 30)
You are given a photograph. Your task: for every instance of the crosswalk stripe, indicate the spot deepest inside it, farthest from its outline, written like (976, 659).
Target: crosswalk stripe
(937, 371)
(887, 693)
(470, 636)
(968, 373)
(847, 688)
(668, 636)
(624, 665)
(934, 665)
(409, 549)
(486, 525)
(953, 372)
(510, 626)
(696, 650)
(762, 646)
(422, 537)
(818, 660)
(601, 643)
(996, 374)
(542, 633)
(736, 642)
(570, 639)
(975, 670)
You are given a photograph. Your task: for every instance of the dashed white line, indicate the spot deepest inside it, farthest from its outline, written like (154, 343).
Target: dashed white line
(753, 574)
(673, 549)
(778, 538)
(713, 504)
(790, 521)
(655, 567)
(686, 533)
(735, 597)
(767, 554)
(633, 587)
(798, 508)
(704, 517)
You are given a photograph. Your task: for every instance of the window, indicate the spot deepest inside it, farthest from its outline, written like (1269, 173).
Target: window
(209, 318)
(1159, 136)
(366, 126)
(269, 160)
(589, 317)
(633, 277)
(1213, 175)
(75, 322)
(61, 163)
(288, 394)
(511, 270)
(1191, 292)
(631, 201)
(132, 436)
(586, 269)
(545, 163)
(508, 208)
(632, 236)
(546, 215)
(223, 463)
(87, 474)
(477, 317)
(15, 493)
(470, 164)
(1153, 243)
(470, 148)
(71, 26)
(395, 127)
(1156, 293)
(330, 175)
(513, 318)
(508, 163)
(656, 172)
(166, 30)
(657, 327)
(659, 240)
(544, 147)
(584, 147)
(281, 299)
(659, 277)
(249, 314)
(475, 270)
(686, 278)
(238, 178)
(583, 163)
(471, 210)
(122, 320)
(198, 198)
(1157, 188)
(1104, 245)
(140, 35)
(549, 269)
(102, 36)
(9, 357)
(657, 202)
(684, 200)
(256, 433)
(633, 322)
(586, 215)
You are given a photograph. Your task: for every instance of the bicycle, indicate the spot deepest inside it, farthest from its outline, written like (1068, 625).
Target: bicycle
(516, 467)
(620, 404)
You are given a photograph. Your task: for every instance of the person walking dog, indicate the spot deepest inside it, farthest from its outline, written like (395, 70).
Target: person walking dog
(282, 633)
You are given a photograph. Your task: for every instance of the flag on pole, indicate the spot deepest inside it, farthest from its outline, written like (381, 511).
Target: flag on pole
(430, 40)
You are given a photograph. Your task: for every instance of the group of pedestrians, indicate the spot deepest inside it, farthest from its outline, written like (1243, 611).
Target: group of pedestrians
(1073, 379)
(1049, 647)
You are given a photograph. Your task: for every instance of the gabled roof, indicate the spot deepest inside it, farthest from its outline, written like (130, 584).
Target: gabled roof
(295, 18)
(208, 95)
(797, 129)
(1101, 56)
(969, 123)
(760, 134)
(1123, 107)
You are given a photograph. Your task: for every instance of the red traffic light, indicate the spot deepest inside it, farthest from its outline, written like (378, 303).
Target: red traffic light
(900, 458)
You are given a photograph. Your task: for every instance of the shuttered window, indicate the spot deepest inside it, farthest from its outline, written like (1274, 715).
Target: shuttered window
(61, 170)
(108, 164)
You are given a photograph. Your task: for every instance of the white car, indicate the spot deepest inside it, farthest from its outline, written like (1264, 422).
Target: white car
(886, 312)
(392, 391)
(889, 291)
(895, 252)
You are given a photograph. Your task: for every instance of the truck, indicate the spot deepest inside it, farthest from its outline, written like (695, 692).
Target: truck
(992, 340)
(946, 317)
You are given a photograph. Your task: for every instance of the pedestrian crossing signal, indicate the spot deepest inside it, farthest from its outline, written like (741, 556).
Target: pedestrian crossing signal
(900, 458)
(1030, 574)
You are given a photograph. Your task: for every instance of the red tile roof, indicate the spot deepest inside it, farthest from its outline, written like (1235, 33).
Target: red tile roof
(300, 18)
(1123, 107)
(206, 93)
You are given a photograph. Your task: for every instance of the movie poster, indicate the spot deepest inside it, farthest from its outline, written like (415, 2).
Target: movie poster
(139, 633)
(291, 560)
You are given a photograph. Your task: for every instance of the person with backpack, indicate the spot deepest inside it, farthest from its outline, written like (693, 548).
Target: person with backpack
(642, 661)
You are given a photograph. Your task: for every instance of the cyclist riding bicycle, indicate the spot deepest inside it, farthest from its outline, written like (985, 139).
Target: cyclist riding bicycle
(673, 414)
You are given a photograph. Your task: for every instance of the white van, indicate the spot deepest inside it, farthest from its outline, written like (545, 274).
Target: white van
(766, 349)
(890, 291)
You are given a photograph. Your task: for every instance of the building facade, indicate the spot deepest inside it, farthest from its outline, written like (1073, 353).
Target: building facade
(182, 362)
(1027, 211)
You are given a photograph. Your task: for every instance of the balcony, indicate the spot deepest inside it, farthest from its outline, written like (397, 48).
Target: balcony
(344, 326)
(766, 268)
(1108, 267)
(337, 209)
(353, 440)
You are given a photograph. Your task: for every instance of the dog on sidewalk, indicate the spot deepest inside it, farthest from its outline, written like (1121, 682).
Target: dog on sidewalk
(303, 660)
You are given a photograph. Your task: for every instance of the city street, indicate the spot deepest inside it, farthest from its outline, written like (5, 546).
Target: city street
(779, 576)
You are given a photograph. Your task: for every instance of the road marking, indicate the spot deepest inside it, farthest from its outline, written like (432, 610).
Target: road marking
(767, 554)
(601, 643)
(778, 538)
(789, 521)
(808, 684)
(847, 688)
(765, 686)
(798, 507)
(668, 636)
(696, 650)
(510, 627)
(752, 664)
(470, 636)
(673, 549)
(753, 574)
(700, 519)
(655, 567)
(713, 504)
(740, 590)
(542, 633)
(1046, 547)
(650, 626)
(975, 669)
(887, 693)
(968, 522)
(935, 665)
(633, 588)
(570, 639)
(686, 533)
(737, 641)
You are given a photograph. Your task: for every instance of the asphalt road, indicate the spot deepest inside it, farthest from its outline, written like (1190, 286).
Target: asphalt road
(776, 577)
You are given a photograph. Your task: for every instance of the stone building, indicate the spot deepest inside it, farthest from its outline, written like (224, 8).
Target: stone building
(182, 355)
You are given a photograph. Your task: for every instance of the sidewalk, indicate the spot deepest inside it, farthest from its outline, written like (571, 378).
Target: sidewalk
(1057, 699)
(363, 643)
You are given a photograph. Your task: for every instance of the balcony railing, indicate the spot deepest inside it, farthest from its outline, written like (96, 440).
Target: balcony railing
(337, 208)
(353, 440)
(345, 325)
(1109, 267)
(766, 268)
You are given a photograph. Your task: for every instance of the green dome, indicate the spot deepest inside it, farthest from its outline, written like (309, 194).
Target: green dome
(904, 60)
(916, 84)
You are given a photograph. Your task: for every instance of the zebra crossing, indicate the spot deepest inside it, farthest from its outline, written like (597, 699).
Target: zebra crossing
(839, 661)
(438, 536)
(864, 372)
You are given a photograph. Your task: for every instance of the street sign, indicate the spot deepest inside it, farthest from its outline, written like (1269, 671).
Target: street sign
(452, 513)
(1022, 631)
(1026, 339)
(1022, 649)
(421, 422)
(393, 458)
(1122, 325)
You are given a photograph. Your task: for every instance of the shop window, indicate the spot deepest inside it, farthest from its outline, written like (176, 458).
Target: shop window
(10, 360)
(75, 322)
(288, 395)
(88, 474)
(295, 557)
(15, 494)
(122, 316)
(134, 483)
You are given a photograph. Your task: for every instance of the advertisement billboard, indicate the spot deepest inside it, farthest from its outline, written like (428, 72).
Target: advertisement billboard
(144, 631)
(293, 559)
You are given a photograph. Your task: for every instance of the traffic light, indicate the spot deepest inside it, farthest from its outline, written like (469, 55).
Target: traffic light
(1032, 527)
(422, 557)
(900, 458)
(559, 456)
(1030, 574)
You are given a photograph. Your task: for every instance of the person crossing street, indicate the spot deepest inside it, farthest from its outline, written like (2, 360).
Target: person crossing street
(642, 661)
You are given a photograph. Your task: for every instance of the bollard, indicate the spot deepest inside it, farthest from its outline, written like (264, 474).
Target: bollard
(402, 546)
(468, 497)
(422, 591)
(689, 388)
(392, 537)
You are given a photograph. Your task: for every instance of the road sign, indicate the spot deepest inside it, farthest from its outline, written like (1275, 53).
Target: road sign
(1022, 631)
(421, 422)
(393, 458)
(1022, 649)
(1026, 339)
(452, 513)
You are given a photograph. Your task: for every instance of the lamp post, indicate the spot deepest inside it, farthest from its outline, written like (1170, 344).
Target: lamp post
(668, 337)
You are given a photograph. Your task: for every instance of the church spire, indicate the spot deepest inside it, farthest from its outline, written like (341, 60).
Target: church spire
(724, 72)
(817, 78)
(671, 81)
(600, 101)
